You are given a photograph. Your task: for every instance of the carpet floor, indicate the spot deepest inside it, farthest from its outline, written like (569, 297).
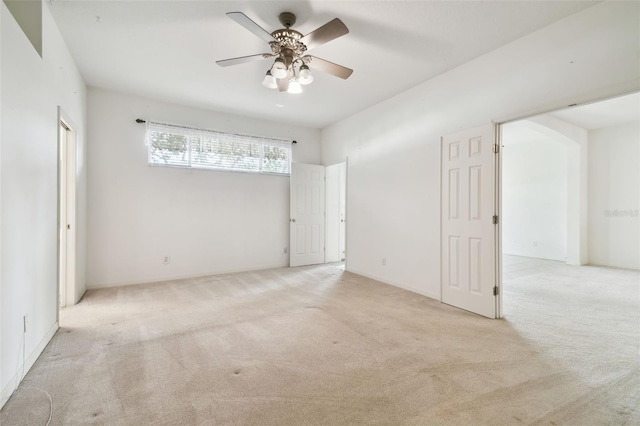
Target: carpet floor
(320, 346)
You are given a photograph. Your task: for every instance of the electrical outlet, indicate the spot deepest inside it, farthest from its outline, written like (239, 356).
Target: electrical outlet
(166, 260)
(384, 261)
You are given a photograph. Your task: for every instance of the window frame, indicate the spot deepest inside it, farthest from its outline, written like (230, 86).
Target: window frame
(192, 133)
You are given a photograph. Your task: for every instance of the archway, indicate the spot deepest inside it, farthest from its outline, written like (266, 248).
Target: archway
(571, 142)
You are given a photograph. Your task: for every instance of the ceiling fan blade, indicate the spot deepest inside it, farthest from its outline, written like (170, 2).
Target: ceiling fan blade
(246, 22)
(243, 59)
(328, 67)
(329, 31)
(283, 84)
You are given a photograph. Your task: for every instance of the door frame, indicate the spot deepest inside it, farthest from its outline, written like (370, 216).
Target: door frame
(67, 209)
(498, 209)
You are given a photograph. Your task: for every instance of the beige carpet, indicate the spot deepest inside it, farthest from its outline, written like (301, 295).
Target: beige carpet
(320, 346)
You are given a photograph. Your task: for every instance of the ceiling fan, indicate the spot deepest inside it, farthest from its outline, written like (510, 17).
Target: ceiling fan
(290, 68)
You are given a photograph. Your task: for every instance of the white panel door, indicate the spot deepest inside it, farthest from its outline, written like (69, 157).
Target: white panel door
(67, 215)
(468, 233)
(335, 189)
(307, 219)
(343, 211)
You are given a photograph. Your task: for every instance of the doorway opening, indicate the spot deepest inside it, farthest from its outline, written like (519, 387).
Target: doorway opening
(66, 212)
(318, 214)
(570, 188)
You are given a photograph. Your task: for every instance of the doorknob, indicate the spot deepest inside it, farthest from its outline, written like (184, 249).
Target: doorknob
(292, 220)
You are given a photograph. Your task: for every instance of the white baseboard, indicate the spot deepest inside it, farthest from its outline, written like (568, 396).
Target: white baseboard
(399, 285)
(22, 371)
(185, 276)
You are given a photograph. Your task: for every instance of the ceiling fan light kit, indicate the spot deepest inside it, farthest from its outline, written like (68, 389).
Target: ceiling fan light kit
(291, 67)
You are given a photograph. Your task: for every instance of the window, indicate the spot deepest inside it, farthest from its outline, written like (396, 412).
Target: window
(184, 147)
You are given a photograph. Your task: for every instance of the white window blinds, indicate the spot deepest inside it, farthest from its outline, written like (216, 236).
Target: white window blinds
(185, 147)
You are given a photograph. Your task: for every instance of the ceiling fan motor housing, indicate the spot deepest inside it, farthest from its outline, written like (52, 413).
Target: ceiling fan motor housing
(287, 19)
(287, 40)
(287, 45)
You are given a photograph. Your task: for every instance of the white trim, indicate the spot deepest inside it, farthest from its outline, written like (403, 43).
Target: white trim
(15, 381)
(498, 211)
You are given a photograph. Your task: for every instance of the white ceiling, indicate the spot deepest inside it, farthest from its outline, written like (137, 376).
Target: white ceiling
(611, 112)
(607, 113)
(166, 50)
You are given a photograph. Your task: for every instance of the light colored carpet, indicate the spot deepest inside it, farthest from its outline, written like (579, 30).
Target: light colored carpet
(320, 346)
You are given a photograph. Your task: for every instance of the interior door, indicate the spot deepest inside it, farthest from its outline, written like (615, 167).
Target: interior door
(335, 187)
(63, 189)
(343, 211)
(468, 243)
(307, 221)
(67, 204)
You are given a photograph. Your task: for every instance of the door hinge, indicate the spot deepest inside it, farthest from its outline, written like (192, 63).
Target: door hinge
(495, 290)
(496, 148)
(495, 219)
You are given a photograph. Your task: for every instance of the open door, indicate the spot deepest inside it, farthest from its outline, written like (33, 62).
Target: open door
(67, 215)
(343, 211)
(335, 189)
(307, 221)
(469, 218)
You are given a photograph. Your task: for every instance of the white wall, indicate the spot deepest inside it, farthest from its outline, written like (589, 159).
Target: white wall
(208, 222)
(393, 148)
(534, 198)
(614, 200)
(576, 141)
(32, 89)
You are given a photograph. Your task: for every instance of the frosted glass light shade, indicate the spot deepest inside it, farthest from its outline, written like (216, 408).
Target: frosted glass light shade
(294, 87)
(279, 69)
(269, 81)
(305, 77)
